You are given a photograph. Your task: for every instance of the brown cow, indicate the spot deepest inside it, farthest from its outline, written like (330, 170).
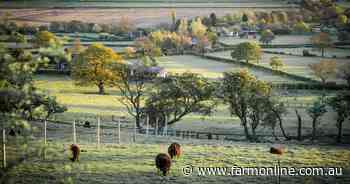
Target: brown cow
(276, 150)
(75, 152)
(163, 163)
(174, 150)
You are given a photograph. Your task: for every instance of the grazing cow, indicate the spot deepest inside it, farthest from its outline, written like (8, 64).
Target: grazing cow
(276, 150)
(12, 133)
(174, 150)
(163, 163)
(75, 152)
(87, 124)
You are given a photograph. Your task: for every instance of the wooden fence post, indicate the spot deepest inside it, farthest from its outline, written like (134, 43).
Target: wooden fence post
(147, 126)
(74, 133)
(165, 132)
(156, 130)
(98, 132)
(45, 132)
(3, 148)
(134, 134)
(119, 141)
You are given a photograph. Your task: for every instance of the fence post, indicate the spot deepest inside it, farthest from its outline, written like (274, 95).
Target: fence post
(119, 131)
(165, 132)
(74, 133)
(3, 148)
(147, 126)
(45, 132)
(134, 136)
(156, 130)
(98, 132)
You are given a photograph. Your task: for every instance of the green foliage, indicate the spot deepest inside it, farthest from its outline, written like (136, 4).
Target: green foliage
(248, 51)
(276, 63)
(46, 39)
(316, 111)
(247, 97)
(301, 27)
(198, 29)
(267, 36)
(341, 105)
(179, 95)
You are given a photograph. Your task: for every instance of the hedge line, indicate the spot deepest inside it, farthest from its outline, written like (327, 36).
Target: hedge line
(258, 67)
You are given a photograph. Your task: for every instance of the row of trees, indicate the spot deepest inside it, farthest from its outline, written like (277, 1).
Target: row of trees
(125, 25)
(167, 100)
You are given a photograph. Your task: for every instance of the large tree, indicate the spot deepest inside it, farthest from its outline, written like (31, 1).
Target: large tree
(267, 36)
(324, 69)
(247, 97)
(176, 96)
(97, 65)
(322, 41)
(46, 39)
(132, 84)
(18, 94)
(341, 105)
(344, 73)
(316, 111)
(248, 51)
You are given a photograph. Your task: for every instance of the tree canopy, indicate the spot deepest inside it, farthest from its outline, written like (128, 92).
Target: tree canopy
(97, 65)
(248, 51)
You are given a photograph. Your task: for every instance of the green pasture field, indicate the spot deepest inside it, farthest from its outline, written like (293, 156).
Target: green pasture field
(211, 68)
(330, 53)
(293, 64)
(135, 163)
(84, 103)
(279, 40)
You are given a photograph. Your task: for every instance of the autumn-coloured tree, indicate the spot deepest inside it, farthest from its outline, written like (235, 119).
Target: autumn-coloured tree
(46, 39)
(267, 36)
(148, 47)
(125, 24)
(198, 29)
(248, 51)
(173, 19)
(324, 69)
(130, 52)
(77, 48)
(301, 27)
(276, 63)
(183, 27)
(322, 41)
(97, 65)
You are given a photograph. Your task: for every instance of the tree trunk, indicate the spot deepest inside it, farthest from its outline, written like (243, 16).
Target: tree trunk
(281, 127)
(246, 131)
(322, 50)
(101, 88)
(314, 129)
(138, 119)
(299, 124)
(340, 130)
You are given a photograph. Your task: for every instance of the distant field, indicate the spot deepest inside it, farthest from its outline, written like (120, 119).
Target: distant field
(143, 3)
(339, 53)
(211, 68)
(293, 64)
(141, 17)
(279, 40)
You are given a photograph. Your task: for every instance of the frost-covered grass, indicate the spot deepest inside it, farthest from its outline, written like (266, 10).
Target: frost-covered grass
(134, 163)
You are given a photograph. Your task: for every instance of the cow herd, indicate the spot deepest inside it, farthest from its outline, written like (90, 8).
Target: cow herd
(163, 160)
